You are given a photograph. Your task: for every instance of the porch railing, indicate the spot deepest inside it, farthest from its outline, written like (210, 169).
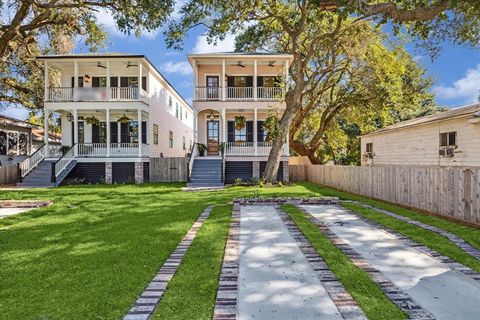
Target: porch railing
(62, 163)
(239, 93)
(248, 149)
(32, 161)
(96, 150)
(95, 94)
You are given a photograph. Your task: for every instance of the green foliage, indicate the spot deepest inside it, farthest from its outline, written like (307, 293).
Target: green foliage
(271, 124)
(201, 149)
(240, 122)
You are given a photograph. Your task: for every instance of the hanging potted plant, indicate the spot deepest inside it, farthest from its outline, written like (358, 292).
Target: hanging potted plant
(240, 122)
(92, 120)
(123, 119)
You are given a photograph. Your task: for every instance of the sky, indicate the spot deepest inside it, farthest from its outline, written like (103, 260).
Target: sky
(456, 71)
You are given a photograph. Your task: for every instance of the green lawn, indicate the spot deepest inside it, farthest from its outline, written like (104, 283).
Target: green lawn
(90, 254)
(368, 295)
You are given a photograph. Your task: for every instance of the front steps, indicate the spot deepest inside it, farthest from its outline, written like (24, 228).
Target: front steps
(41, 176)
(206, 173)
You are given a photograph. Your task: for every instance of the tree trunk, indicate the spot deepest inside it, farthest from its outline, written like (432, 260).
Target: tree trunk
(304, 150)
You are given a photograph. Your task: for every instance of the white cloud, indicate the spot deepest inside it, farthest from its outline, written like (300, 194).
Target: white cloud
(467, 88)
(225, 45)
(182, 67)
(105, 19)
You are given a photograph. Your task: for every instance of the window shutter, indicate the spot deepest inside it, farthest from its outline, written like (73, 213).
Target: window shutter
(124, 132)
(95, 134)
(231, 131)
(144, 132)
(259, 81)
(260, 131)
(80, 82)
(124, 82)
(249, 81)
(113, 132)
(230, 81)
(113, 82)
(73, 82)
(95, 82)
(249, 131)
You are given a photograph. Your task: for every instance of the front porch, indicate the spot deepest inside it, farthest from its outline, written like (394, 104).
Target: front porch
(216, 130)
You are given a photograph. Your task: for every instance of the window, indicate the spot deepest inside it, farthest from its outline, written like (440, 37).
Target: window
(81, 132)
(369, 147)
(241, 135)
(269, 81)
(240, 81)
(186, 115)
(176, 109)
(170, 139)
(170, 102)
(181, 114)
(155, 134)
(448, 139)
(99, 82)
(23, 144)
(12, 142)
(184, 143)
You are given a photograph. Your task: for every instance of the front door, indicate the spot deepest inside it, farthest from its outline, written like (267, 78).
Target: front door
(212, 88)
(212, 137)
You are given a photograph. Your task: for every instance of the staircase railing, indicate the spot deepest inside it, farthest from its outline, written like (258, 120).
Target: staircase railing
(32, 161)
(63, 162)
(190, 160)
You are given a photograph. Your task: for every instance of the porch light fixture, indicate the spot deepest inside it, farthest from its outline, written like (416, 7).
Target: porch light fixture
(86, 78)
(69, 117)
(211, 116)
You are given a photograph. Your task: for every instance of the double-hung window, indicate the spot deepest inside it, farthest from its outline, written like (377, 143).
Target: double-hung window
(448, 139)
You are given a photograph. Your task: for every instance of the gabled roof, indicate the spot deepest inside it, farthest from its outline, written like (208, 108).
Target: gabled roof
(16, 122)
(472, 110)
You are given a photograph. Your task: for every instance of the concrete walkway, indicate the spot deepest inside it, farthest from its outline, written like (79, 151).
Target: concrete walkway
(446, 293)
(5, 212)
(275, 279)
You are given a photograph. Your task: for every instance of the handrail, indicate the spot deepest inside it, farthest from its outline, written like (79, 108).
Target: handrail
(190, 160)
(32, 161)
(63, 162)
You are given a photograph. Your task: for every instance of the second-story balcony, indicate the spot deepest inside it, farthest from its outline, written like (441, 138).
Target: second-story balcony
(65, 94)
(239, 93)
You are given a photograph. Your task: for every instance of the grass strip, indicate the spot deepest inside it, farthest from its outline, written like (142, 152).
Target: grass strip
(192, 291)
(367, 293)
(469, 234)
(430, 239)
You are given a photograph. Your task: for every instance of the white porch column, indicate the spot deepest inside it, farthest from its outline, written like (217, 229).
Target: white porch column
(140, 70)
(46, 82)
(119, 131)
(46, 114)
(75, 80)
(255, 93)
(139, 117)
(255, 147)
(109, 91)
(107, 111)
(75, 132)
(222, 79)
(195, 80)
(195, 125)
(224, 125)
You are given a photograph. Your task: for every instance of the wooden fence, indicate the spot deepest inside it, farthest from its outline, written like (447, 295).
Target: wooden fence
(9, 174)
(449, 191)
(168, 169)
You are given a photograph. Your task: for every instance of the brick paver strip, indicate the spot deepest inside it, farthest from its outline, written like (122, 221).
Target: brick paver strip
(394, 293)
(145, 305)
(459, 242)
(227, 294)
(344, 302)
(424, 249)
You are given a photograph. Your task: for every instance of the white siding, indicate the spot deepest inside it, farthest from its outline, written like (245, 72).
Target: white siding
(420, 145)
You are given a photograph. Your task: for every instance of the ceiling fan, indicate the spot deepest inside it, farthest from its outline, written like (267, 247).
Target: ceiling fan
(239, 64)
(100, 65)
(129, 64)
(271, 63)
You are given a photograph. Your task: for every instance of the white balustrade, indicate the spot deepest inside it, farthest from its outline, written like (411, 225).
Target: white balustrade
(95, 94)
(64, 161)
(32, 161)
(248, 148)
(239, 93)
(124, 149)
(270, 93)
(99, 150)
(92, 150)
(208, 93)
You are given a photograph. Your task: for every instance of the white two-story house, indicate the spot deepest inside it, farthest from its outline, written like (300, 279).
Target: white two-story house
(234, 94)
(116, 112)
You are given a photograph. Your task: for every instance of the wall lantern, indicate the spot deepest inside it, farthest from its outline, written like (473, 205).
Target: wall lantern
(86, 78)
(211, 116)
